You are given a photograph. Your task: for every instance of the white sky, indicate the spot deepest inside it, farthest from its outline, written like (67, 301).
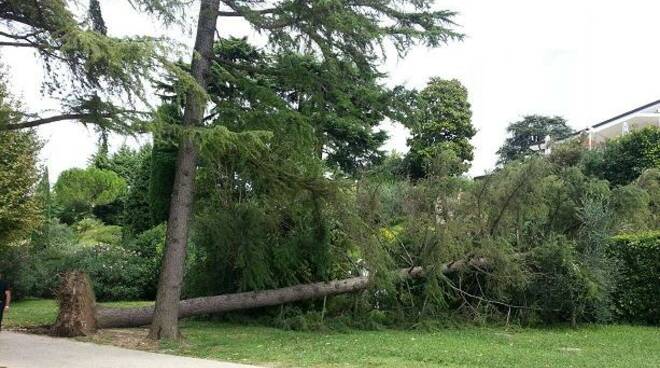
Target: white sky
(586, 60)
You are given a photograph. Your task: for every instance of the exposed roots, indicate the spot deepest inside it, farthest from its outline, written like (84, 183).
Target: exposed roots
(77, 315)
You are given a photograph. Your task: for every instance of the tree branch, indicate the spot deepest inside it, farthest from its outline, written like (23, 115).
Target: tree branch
(51, 119)
(254, 16)
(17, 44)
(242, 13)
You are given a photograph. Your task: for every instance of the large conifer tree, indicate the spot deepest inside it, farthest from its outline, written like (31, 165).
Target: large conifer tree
(350, 31)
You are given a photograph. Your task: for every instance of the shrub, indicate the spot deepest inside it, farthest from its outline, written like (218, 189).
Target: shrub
(119, 270)
(638, 287)
(624, 159)
(32, 268)
(149, 247)
(563, 287)
(124, 271)
(117, 273)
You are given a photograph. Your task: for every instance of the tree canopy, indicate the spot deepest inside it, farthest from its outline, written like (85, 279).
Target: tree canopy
(441, 125)
(624, 159)
(89, 70)
(527, 135)
(79, 191)
(350, 32)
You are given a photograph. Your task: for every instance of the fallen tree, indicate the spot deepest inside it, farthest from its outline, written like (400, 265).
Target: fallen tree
(80, 315)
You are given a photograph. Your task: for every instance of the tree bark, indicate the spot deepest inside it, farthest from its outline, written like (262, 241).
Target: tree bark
(140, 316)
(165, 316)
(134, 317)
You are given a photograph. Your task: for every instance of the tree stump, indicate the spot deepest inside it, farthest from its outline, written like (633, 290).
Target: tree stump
(77, 306)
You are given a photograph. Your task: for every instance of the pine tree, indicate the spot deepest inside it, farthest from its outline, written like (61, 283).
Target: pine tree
(527, 135)
(352, 31)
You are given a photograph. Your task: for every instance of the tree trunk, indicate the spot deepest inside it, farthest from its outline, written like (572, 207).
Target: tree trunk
(140, 316)
(134, 317)
(77, 315)
(171, 276)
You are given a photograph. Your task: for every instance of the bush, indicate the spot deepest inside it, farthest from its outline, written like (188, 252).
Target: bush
(124, 271)
(117, 273)
(563, 287)
(638, 288)
(32, 268)
(624, 159)
(149, 247)
(119, 270)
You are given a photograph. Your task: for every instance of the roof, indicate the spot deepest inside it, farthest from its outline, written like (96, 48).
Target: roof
(656, 102)
(638, 109)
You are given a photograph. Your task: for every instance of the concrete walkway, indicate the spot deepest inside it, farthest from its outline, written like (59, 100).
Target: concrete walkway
(19, 350)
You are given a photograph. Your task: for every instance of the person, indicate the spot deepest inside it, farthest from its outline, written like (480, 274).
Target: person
(5, 297)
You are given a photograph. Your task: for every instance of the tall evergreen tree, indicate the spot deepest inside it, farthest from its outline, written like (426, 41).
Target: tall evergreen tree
(441, 126)
(351, 31)
(165, 322)
(526, 136)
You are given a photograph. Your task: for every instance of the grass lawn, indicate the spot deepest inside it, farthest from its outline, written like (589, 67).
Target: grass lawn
(39, 312)
(592, 346)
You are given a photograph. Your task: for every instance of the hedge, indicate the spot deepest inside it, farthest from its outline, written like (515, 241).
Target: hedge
(637, 294)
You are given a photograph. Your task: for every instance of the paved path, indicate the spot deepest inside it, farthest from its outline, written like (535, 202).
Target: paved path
(19, 350)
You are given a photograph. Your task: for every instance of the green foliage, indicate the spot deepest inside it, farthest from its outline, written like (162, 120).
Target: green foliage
(527, 136)
(542, 224)
(19, 174)
(568, 153)
(132, 208)
(79, 191)
(20, 210)
(573, 279)
(116, 273)
(90, 231)
(120, 270)
(163, 158)
(649, 181)
(357, 33)
(342, 104)
(161, 180)
(622, 160)
(441, 123)
(84, 66)
(636, 293)
(33, 268)
(137, 206)
(259, 223)
(633, 204)
(562, 287)
(149, 247)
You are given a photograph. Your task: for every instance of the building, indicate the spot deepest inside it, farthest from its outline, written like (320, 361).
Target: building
(643, 116)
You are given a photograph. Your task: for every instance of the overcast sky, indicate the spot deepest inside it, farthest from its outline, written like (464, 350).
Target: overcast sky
(585, 60)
